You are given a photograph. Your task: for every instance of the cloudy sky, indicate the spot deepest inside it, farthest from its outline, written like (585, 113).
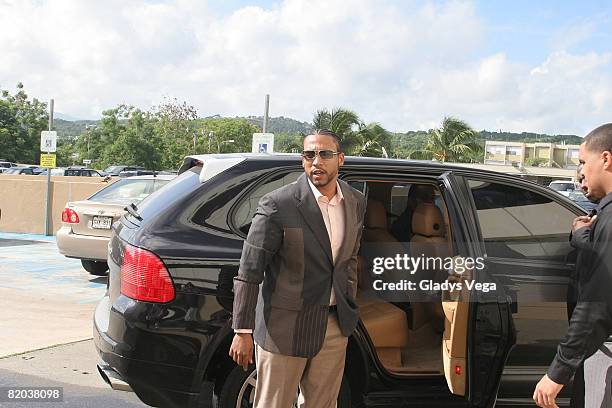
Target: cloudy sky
(518, 65)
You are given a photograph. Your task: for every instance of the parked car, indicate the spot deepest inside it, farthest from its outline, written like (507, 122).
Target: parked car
(163, 328)
(115, 170)
(132, 173)
(83, 172)
(7, 164)
(563, 187)
(57, 171)
(86, 224)
(579, 198)
(73, 171)
(19, 170)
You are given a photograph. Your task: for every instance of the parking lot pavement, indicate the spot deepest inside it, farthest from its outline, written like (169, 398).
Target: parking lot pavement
(46, 299)
(70, 366)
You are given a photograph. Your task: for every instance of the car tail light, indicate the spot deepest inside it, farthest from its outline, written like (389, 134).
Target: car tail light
(70, 216)
(145, 277)
(458, 370)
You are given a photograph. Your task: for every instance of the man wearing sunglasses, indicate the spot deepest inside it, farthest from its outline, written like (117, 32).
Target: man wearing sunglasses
(295, 290)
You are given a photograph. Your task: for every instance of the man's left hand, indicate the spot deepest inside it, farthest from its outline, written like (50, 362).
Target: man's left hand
(546, 393)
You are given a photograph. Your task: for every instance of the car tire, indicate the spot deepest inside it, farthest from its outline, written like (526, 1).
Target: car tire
(98, 268)
(240, 385)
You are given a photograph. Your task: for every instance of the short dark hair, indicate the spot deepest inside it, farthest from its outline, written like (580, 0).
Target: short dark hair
(600, 139)
(327, 132)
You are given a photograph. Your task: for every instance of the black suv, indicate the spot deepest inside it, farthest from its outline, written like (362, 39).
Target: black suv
(163, 328)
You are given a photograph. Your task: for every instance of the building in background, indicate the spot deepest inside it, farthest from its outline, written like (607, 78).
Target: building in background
(517, 154)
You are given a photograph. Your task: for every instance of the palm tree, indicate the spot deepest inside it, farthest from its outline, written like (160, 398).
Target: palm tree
(371, 140)
(455, 141)
(343, 122)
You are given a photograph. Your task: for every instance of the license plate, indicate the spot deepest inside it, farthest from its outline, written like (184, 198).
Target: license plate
(99, 222)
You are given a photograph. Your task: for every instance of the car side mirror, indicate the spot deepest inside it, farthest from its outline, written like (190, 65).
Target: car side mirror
(106, 179)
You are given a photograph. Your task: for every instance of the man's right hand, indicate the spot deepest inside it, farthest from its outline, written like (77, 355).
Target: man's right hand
(583, 221)
(241, 350)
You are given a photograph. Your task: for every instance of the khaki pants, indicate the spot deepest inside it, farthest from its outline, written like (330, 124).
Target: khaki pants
(318, 378)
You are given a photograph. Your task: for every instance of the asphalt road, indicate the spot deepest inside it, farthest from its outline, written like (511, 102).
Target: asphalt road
(46, 307)
(70, 366)
(45, 298)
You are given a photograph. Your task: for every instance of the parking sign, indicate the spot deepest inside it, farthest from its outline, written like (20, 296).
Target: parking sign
(48, 141)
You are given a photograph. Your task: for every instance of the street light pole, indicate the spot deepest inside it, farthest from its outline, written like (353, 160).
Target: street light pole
(88, 134)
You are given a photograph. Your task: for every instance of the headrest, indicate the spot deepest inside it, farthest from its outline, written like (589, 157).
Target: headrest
(376, 215)
(427, 220)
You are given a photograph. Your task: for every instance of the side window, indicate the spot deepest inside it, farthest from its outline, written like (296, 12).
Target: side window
(391, 206)
(519, 223)
(246, 208)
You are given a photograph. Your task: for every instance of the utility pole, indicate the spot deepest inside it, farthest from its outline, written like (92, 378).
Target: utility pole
(88, 134)
(265, 118)
(48, 231)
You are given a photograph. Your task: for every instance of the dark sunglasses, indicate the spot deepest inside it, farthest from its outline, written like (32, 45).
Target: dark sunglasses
(323, 154)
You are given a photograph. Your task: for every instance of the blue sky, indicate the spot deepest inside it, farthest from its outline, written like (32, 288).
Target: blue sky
(527, 30)
(524, 29)
(543, 66)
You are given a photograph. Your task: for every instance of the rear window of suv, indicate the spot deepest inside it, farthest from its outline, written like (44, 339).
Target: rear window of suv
(245, 211)
(182, 185)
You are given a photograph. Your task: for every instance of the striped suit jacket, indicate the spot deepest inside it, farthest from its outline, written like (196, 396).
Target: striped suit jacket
(286, 272)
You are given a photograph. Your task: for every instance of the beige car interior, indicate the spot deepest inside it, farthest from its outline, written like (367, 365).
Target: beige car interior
(416, 338)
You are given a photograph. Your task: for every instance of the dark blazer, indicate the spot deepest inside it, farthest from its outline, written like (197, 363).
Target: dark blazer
(286, 273)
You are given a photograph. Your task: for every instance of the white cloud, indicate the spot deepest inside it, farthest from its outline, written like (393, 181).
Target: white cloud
(403, 64)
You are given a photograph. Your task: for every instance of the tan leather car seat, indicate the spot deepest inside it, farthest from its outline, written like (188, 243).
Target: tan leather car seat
(428, 240)
(375, 223)
(429, 232)
(386, 324)
(387, 327)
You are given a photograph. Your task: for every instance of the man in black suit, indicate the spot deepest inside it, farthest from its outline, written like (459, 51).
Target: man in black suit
(591, 320)
(296, 285)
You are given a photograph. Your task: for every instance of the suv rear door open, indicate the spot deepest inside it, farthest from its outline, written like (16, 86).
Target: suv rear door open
(478, 328)
(525, 230)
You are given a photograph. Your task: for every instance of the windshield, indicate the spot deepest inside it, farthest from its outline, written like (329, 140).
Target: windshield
(112, 169)
(127, 191)
(562, 186)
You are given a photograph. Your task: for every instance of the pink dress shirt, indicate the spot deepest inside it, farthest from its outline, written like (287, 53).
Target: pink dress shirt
(333, 216)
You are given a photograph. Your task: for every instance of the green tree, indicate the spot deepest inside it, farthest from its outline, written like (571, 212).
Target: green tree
(343, 122)
(226, 135)
(358, 138)
(66, 152)
(93, 142)
(371, 140)
(455, 141)
(136, 144)
(176, 127)
(288, 142)
(21, 121)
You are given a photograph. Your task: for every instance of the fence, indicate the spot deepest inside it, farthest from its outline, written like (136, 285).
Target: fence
(22, 200)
